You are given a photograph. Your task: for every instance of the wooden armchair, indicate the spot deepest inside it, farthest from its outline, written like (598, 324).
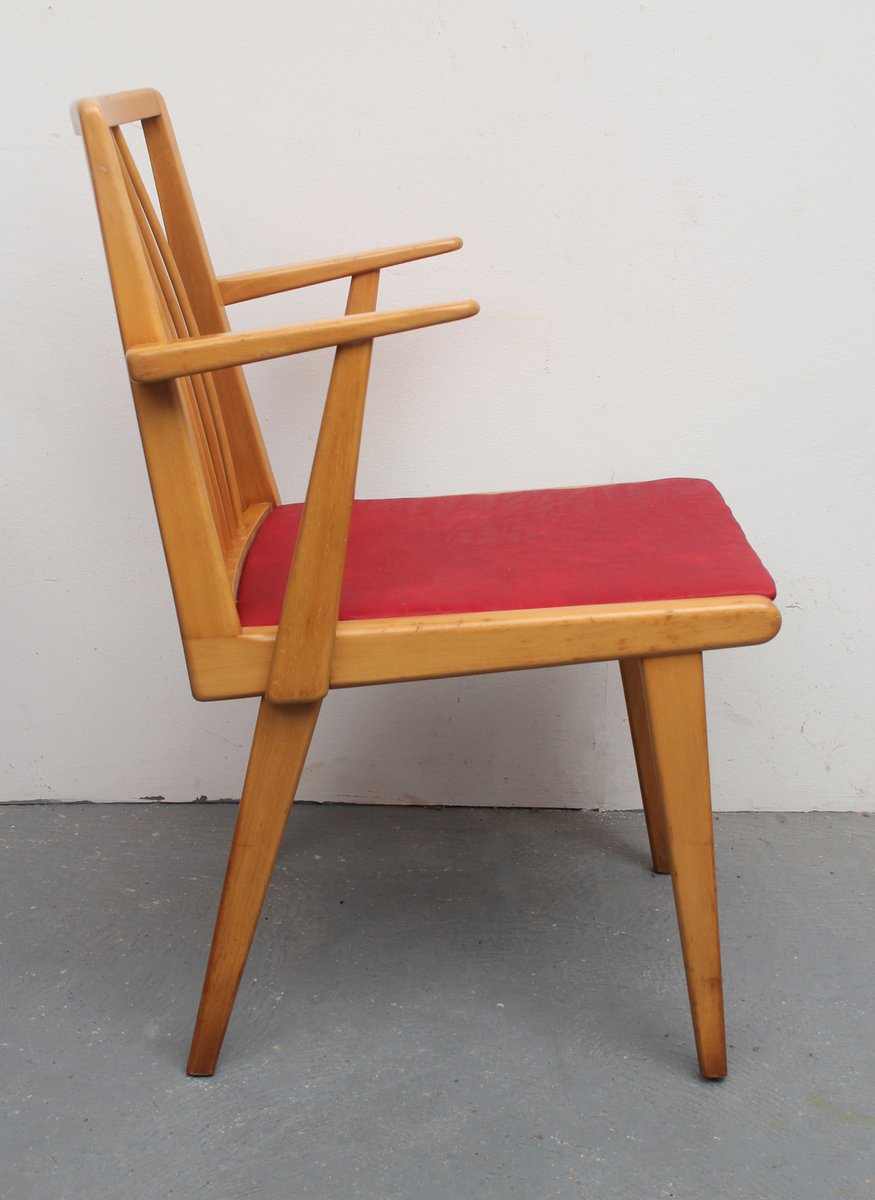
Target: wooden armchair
(286, 602)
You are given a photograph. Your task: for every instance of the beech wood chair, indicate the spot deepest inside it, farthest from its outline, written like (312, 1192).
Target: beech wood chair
(286, 602)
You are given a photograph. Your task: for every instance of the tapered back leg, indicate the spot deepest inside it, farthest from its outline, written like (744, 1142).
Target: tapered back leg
(279, 748)
(648, 781)
(675, 699)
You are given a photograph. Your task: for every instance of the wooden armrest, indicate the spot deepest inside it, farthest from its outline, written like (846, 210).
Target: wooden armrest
(249, 285)
(191, 356)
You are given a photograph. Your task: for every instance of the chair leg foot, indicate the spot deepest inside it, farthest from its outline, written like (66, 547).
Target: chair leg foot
(279, 748)
(675, 698)
(639, 727)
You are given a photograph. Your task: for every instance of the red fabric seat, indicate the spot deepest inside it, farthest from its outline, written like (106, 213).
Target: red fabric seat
(669, 539)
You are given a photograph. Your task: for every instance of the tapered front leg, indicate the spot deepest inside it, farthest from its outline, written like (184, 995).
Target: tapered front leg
(279, 748)
(675, 697)
(639, 727)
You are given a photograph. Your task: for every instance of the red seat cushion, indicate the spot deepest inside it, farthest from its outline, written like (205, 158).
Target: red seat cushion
(670, 539)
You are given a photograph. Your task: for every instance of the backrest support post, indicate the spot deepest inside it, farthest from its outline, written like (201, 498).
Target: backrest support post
(189, 452)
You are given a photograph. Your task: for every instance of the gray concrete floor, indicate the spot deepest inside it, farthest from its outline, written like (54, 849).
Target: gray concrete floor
(440, 1004)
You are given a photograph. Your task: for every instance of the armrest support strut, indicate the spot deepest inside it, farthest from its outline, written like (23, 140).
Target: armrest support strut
(300, 668)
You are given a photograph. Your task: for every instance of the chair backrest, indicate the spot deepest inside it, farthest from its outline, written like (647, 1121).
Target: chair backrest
(210, 476)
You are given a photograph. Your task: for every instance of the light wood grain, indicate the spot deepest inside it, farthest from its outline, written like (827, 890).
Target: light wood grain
(160, 361)
(400, 649)
(675, 696)
(477, 643)
(301, 664)
(119, 108)
(184, 233)
(279, 748)
(648, 780)
(235, 556)
(249, 285)
(192, 545)
(198, 393)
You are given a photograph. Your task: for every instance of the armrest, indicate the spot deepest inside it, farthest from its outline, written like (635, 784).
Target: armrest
(190, 356)
(249, 285)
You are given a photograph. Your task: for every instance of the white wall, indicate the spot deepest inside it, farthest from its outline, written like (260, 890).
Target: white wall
(668, 213)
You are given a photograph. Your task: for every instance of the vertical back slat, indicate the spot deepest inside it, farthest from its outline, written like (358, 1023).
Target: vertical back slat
(204, 409)
(195, 556)
(188, 325)
(253, 473)
(175, 327)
